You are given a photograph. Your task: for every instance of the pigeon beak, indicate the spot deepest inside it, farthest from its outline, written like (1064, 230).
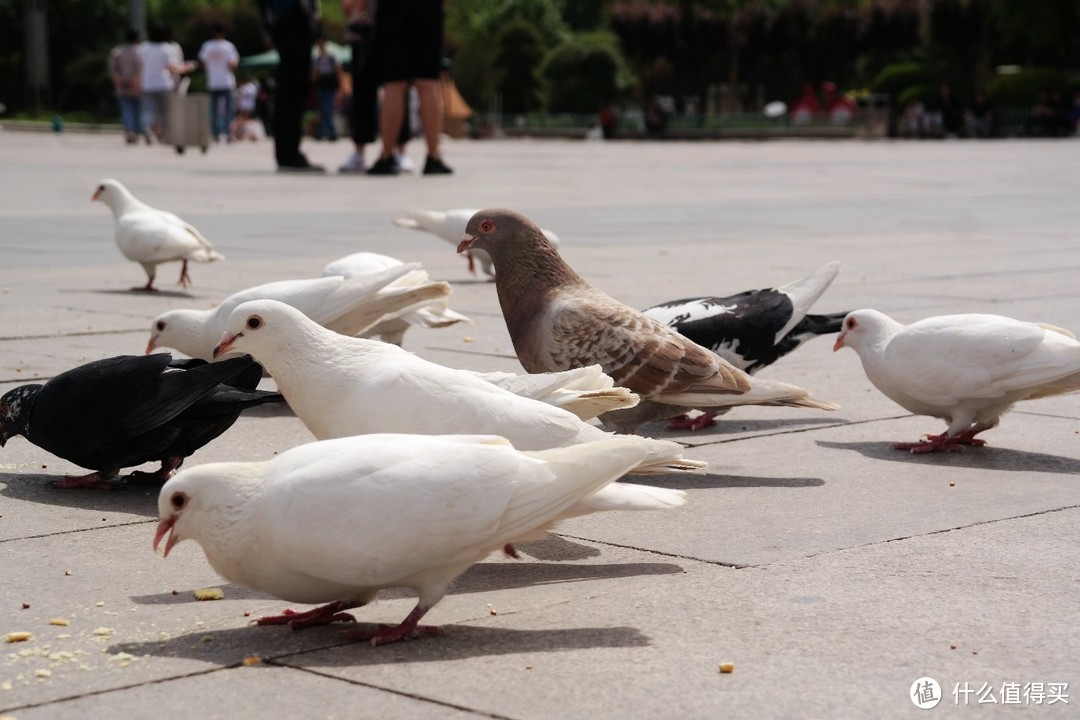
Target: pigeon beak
(95, 195)
(165, 526)
(839, 342)
(3, 433)
(150, 346)
(226, 343)
(466, 243)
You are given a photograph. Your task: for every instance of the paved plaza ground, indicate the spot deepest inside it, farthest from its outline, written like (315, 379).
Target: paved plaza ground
(830, 569)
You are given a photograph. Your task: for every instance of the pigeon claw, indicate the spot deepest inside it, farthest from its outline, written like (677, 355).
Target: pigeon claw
(685, 422)
(93, 481)
(322, 615)
(941, 443)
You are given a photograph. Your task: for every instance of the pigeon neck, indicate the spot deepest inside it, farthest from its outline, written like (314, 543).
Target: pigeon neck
(524, 277)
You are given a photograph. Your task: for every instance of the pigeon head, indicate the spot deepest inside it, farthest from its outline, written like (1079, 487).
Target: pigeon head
(181, 330)
(497, 230)
(863, 329)
(201, 503)
(15, 408)
(109, 191)
(257, 327)
(518, 248)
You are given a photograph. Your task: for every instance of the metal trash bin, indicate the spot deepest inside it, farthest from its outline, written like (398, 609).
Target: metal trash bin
(187, 121)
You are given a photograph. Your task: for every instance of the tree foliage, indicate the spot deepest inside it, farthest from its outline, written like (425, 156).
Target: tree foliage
(758, 49)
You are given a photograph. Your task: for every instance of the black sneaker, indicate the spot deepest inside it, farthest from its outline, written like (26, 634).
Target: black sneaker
(300, 165)
(435, 166)
(384, 166)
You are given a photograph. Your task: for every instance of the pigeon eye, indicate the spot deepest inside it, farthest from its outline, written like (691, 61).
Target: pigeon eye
(160, 325)
(178, 501)
(851, 323)
(487, 226)
(254, 322)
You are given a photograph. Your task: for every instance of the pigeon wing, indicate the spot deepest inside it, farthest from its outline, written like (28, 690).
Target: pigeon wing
(941, 361)
(635, 350)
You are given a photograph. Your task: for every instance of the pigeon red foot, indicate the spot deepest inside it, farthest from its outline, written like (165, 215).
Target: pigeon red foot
(185, 279)
(107, 481)
(685, 422)
(386, 634)
(322, 615)
(93, 481)
(942, 442)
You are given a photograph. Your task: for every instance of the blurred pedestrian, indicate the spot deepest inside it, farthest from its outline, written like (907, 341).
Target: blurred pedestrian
(325, 73)
(408, 49)
(162, 64)
(220, 58)
(125, 69)
(291, 24)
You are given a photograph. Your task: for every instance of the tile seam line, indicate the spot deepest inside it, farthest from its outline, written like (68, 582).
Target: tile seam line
(95, 693)
(793, 431)
(77, 530)
(942, 531)
(400, 693)
(59, 336)
(743, 566)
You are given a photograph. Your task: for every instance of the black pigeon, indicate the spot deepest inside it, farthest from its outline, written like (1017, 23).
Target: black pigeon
(131, 409)
(755, 328)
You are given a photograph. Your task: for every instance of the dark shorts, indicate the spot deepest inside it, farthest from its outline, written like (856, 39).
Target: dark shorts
(409, 39)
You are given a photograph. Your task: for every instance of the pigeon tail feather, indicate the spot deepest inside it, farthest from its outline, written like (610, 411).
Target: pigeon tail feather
(804, 292)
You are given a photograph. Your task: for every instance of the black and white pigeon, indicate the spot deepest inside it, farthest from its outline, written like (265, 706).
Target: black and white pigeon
(131, 409)
(339, 520)
(557, 321)
(968, 370)
(340, 386)
(752, 329)
(150, 236)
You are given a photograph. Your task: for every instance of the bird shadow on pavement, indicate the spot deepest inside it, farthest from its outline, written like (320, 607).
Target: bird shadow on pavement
(136, 498)
(714, 481)
(139, 293)
(972, 458)
(725, 429)
(281, 646)
(482, 577)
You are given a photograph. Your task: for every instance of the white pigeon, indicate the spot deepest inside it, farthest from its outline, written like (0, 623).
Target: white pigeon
(436, 314)
(450, 226)
(587, 391)
(342, 305)
(337, 521)
(967, 370)
(341, 386)
(150, 236)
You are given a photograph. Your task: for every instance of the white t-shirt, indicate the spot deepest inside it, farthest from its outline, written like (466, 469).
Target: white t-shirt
(215, 55)
(246, 96)
(157, 57)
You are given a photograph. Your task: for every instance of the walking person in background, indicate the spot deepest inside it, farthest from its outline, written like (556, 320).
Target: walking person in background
(363, 103)
(325, 72)
(125, 69)
(219, 57)
(291, 24)
(408, 48)
(162, 63)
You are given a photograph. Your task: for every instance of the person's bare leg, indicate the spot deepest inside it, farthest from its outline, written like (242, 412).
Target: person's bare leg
(431, 113)
(391, 115)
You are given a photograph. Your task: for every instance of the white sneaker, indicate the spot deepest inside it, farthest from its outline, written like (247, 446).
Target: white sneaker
(355, 164)
(404, 163)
